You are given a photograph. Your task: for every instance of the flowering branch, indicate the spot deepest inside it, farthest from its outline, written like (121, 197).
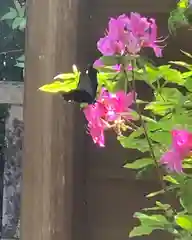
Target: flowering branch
(145, 129)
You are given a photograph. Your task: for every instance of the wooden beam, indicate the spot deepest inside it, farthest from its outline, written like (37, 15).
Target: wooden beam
(11, 92)
(50, 125)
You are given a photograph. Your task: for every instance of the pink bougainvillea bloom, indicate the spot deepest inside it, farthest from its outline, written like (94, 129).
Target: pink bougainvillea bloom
(137, 24)
(97, 134)
(180, 149)
(115, 40)
(116, 104)
(94, 114)
(133, 44)
(127, 35)
(109, 108)
(151, 38)
(108, 46)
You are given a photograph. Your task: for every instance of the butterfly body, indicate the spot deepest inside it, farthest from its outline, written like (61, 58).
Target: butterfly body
(87, 88)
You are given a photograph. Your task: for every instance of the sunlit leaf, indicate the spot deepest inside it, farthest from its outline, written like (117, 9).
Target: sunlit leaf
(166, 100)
(182, 64)
(171, 75)
(159, 108)
(186, 53)
(153, 194)
(58, 86)
(170, 179)
(163, 206)
(184, 221)
(65, 76)
(188, 84)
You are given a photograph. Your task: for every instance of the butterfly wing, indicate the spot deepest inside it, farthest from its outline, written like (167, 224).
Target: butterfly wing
(87, 88)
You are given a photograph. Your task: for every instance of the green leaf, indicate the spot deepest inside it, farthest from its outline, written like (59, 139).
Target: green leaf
(171, 75)
(186, 54)
(184, 221)
(162, 137)
(139, 163)
(159, 206)
(159, 108)
(10, 15)
(186, 74)
(170, 179)
(166, 100)
(183, 4)
(188, 84)
(22, 25)
(141, 230)
(21, 12)
(187, 163)
(139, 144)
(65, 76)
(186, 195)
(182, 64)
(20, 64)
(152, 74)
(170, 95)
(58, 86)
(116, 59)
(69, 82)
(18, 6)
(163, 206)
(21, 58)
(153, 194)
(16, 23)
(155, 219)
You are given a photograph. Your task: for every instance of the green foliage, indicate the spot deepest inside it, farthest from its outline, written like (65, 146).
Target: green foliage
(179, 16)
(139, 163)
(166, 100)
(16, 15)
(149, 223)
(149, 132)
(186, 195)
(63, 82)
(184, 221)
(12, 23)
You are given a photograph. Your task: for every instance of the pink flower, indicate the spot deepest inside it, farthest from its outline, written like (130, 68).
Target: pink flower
(127, 35)
(108, 110)
(151, 39)
(108, 46)
(94, 114)
(137, 24)
(180, 149)
(116, 104)
(133, 44)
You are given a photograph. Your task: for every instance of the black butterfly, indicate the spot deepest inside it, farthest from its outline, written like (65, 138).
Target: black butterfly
(87, 88)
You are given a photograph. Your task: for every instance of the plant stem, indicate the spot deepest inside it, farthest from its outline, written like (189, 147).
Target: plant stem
(145, 130)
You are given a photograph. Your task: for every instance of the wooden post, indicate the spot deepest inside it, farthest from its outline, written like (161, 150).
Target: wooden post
(50, 125)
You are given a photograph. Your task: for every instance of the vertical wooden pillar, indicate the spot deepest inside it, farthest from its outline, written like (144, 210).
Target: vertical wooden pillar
(50, 125)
